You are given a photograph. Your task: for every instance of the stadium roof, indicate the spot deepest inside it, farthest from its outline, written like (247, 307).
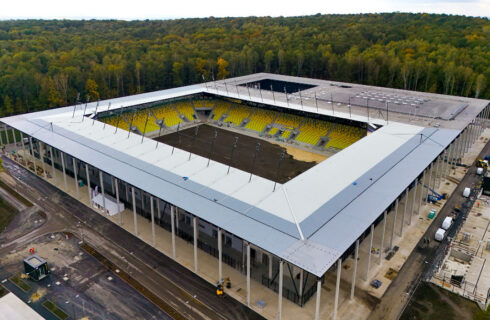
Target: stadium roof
(309, 221)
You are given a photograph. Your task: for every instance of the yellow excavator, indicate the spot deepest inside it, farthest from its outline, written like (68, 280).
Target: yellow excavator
(222, 283)
(480, 163)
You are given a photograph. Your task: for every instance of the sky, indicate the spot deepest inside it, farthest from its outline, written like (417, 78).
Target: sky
(165, 9)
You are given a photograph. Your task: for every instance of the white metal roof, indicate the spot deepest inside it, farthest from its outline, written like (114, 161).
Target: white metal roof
(298, 222)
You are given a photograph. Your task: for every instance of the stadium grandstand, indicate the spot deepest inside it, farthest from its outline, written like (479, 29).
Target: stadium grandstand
(211, 197)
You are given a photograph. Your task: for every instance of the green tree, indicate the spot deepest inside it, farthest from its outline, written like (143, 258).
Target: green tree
(222, 68)
(91, 88)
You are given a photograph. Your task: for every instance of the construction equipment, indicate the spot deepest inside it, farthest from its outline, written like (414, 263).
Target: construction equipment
(434, 197)
(481, 163)
(225, 282)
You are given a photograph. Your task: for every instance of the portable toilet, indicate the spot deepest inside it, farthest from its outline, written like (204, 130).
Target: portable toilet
(36, 267)
(448, 221)
(440, 234)
(432, 214)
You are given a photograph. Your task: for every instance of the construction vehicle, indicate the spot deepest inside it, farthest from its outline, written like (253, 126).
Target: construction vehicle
(481, 163)
(225, 282)
(434, 197)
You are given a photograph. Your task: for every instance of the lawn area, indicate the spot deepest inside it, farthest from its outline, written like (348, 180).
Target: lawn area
(7, 214)
(432, 302)
(51, 306)
(3, 291)
(20, 283)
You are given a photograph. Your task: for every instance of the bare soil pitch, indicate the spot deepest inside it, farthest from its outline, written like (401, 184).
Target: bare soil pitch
(242, 157)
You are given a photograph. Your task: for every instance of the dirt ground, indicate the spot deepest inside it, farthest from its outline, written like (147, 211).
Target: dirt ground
(267, 159)
(432, 302)
(78, 283)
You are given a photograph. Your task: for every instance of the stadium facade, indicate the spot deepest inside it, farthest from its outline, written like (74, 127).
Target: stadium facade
(283, 235)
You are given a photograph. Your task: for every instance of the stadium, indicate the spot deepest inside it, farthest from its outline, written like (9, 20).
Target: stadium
(296, 190)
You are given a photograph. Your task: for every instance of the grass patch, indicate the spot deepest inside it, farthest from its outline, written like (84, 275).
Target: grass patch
(54, 309)
(3, 291)
(431, 302)
(7, 214)
(14, 193)
(20, 283)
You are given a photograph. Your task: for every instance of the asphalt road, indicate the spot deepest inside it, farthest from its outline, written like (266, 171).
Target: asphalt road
(422, 256)
(184, 291)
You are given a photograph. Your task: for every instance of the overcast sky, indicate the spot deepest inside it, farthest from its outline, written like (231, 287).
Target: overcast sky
(164, 9)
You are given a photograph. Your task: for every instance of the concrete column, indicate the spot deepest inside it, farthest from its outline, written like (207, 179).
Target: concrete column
(428, 182)
(434, 183)
(318, 297)
(279, 304)
(32, 154)
(368, 266)
(404, 211)
(220, 254)
(62, 155)
(88, 183)
(152, 211)
(13, 135)
(440, 169)
(421, 192)
(7, 134)
(301, 279)
(450, 159)
(337, 287)
(467, 144)
(102, 189)
(248, 274)
(395, 213)
(119, 215)
(354, 271)
(1, 137)
(270, 267)
(172, 223)
(42, 154)
(158, 210)
(23, 147)
(75, 176)
(135, 221)
(196, 235)
(412, 207)
(127, 192)
(53, 173)
(382, 246)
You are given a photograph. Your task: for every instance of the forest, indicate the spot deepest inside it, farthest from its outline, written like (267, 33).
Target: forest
(51, 63)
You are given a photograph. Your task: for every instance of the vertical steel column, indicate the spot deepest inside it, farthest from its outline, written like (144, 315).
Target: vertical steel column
(23, 147)
(279, 304)
(412, 207)
(53, 173)
(101, 178)
(119, 213)
(32, 154)
(13, 135)
(318, 297)
(368, 266)
(88, 184)
(63, 167)
(421, 192)
(382, 246)
(42, 155)
(405, 205)
(1, 136)
(441, 164)
(75, 176)
(337, 287)
(152, 212)
(196, 235)
(354, 271)
(435, 174)
(270, 267)
(220, 254)
(395, 213)
(301, 279)
(135, 220)
(172, 224)
(248, 274)
(7, 134)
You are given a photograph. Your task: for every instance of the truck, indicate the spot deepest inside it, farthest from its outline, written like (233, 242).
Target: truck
(446, 224)
(440, 233)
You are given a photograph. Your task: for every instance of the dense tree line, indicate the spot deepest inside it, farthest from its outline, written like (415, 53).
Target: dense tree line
(47, 64)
